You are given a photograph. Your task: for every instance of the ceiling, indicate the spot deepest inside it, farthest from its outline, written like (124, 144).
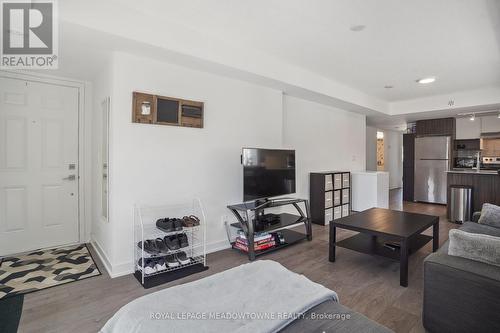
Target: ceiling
(458, 41)
(399, 122)
(284, 41)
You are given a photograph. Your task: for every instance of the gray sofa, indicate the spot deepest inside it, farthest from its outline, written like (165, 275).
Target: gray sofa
(461, 295)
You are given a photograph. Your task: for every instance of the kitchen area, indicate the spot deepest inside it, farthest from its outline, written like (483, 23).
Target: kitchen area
(446, 156)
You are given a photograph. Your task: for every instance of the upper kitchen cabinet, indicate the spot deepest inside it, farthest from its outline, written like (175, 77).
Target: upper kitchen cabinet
(443, 127)
(467, 129)
(490, 124)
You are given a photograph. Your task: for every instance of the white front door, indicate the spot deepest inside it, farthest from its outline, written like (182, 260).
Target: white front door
(38, 165)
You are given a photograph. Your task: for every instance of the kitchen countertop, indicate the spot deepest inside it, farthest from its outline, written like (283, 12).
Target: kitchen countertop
(473, 172)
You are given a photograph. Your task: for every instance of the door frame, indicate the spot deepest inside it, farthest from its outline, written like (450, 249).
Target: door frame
(84, 143)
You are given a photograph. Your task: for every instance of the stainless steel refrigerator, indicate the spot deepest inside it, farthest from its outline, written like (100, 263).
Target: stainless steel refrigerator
(432, 160)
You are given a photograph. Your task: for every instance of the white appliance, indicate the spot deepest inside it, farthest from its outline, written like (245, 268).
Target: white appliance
(431, 163)
(369, 189)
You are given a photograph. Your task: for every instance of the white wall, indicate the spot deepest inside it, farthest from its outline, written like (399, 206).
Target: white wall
(371, 148)
(325, 139)
(154, 164)
(393, 148)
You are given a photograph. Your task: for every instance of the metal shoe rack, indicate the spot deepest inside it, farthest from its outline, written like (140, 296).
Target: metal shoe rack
(145, 218)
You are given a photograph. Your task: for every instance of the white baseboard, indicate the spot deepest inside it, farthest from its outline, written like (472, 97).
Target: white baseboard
(102, 255)
(218, 246)
(126, 268)
(122, 269)
(113, 270)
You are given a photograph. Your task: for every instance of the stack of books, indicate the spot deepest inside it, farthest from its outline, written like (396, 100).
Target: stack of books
(262, 241)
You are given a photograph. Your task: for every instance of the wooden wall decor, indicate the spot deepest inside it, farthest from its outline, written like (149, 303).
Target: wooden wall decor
(161, 110)
(141, 103)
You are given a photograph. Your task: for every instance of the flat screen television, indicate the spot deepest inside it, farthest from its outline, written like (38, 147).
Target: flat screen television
(267, 173)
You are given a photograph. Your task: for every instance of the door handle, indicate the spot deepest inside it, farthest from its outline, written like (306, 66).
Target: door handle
(70, 177)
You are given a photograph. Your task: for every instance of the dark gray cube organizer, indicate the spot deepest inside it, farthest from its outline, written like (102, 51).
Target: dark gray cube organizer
(330, 196)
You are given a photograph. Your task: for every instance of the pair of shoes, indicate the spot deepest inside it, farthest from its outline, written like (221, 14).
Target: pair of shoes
(175, 242)
(176, 259)
(190, 221)
(169, 225)
(154, 247)
(160, 246)
(150, 246)
(152, 265)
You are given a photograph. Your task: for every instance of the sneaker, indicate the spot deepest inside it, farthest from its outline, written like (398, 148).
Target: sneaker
(149, 266)
(177, 224)
(171, 242)
(160, 245)
(171, 261)
(183, 240)
(149, 247)
(182, 258)
(166, 224)
(161, 265)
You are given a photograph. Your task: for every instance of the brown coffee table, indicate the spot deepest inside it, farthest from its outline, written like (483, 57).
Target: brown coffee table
(377, 226)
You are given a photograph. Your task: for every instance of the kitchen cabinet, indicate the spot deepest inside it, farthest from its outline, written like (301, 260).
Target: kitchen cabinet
(470, 144)
(408, 166)
(442, 127)
(490, 147)
(467, 129)
(490, 124)
(485, 188)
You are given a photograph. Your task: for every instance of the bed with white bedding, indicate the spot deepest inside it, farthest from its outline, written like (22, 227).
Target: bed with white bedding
(262, 296)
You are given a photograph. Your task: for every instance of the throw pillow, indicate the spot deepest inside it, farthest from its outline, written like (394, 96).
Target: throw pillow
(478, 247)
(490, 215)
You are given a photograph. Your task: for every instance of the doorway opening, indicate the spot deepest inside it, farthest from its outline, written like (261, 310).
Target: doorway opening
(380, 151)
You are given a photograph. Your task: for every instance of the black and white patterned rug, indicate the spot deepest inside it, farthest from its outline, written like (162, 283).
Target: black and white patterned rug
(28, 272)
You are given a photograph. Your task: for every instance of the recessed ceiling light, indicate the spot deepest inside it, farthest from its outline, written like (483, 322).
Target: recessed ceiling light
(426, 80)
(357, 28)
(388, 86)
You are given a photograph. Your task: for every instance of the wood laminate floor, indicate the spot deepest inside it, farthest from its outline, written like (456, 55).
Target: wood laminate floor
(369, 285)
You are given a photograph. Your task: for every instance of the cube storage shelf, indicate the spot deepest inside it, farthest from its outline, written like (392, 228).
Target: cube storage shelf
(330, 194)
(145, 218)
